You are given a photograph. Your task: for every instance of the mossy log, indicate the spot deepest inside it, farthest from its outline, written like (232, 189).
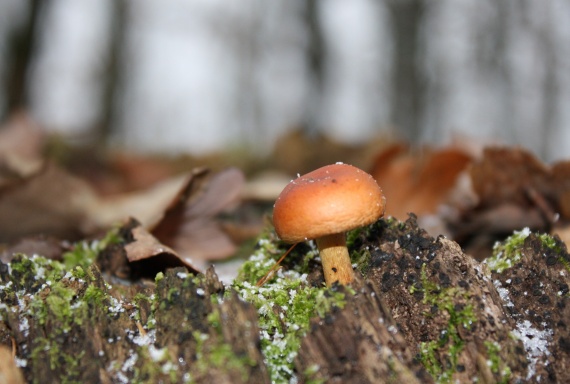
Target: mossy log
(420, 311)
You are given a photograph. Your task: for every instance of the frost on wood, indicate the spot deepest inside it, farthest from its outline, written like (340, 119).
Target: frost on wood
(536, 291)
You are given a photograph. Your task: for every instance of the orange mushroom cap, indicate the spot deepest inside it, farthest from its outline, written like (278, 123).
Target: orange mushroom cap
(332, 199)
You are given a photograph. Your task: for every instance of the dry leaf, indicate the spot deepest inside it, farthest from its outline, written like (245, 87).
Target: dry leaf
(139, 254)
(49, 202)
(147, 205)
(48, 247)
(505, 174)
(144, 246)
(417, 182)
(190, 226)
(514, 190)
(21, 146)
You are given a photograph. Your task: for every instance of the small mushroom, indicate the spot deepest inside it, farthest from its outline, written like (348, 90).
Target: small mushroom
(323, 205)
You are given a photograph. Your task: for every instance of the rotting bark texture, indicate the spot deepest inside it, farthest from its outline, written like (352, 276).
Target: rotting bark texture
(76, 331)
(535, 291)
(447, 310)
(423, 312)
(359, 344)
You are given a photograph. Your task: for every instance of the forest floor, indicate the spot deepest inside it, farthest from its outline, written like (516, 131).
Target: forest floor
(118, 288)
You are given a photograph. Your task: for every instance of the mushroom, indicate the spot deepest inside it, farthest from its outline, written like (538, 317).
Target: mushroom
(322, 205)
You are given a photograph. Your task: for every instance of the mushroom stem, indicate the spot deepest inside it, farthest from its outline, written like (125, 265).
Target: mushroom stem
(335, 259)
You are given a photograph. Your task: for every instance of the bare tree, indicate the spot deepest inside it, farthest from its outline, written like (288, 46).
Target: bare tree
(408, 85)
(316, 56)
(119, 20)
(21, 45)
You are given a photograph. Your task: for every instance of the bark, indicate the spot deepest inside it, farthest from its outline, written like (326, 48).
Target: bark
(420, 310)
(21, 48)
(408, 85)
(360, 344)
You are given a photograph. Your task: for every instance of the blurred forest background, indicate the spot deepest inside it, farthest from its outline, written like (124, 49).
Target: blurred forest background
(195, 76)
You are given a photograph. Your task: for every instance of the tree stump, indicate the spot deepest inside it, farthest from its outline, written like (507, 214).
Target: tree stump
(419, 311)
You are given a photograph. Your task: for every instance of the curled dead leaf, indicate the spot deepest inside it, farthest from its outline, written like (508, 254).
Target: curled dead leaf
(190, 224)
(142, 245)
(189, 232)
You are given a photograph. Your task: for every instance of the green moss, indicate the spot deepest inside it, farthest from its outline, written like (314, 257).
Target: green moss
(353, 235)
(496, 365)
(310, 375)
(152, 365)
(150, 304)
(32, 273)
(45, 349)
(218, 354)
(362, 261)
(460, 316)
(78, 272)
(262, 260)
(285, 304)
(84, 253)
(58, 297)
(214, 321)
(508, 252)
(94, 295)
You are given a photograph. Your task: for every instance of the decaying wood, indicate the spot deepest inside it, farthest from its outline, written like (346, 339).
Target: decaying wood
(422, 308)
(404, 261)
(107, 345)
(535, 296)
(360, 344)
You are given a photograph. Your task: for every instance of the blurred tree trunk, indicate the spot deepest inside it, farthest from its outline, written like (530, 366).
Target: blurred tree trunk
(21, 45)
(316, 55)
(119, 19)
(408, 87)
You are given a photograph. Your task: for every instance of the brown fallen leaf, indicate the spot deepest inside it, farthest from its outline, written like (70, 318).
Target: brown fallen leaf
(190, 224)
(505, 174)
(48, 202)
(49, 247)
(21, 148)
(514, 190)
(188, 234)
(139, 254)
(182, 211)
(147, 205)
(417, 181)
(144, 244)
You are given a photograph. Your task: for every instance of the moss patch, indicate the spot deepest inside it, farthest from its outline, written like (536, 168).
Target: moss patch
(285, 303)
(450, 341)
(509, 252)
